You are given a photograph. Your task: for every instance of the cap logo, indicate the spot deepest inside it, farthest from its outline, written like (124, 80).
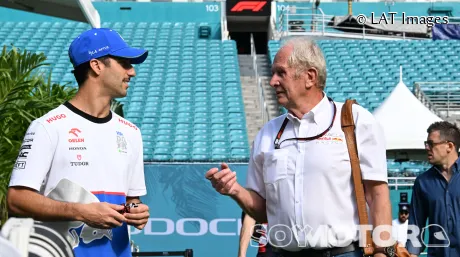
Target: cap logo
(98, 50)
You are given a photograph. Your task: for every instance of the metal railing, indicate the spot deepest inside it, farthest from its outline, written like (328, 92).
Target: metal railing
(400, 182)
(260, 88)
(442, 98)
(311, 21)
(223, 21)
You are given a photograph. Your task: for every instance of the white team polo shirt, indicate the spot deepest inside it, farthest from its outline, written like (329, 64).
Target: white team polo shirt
(102, 155)
(308, 185)
(400, 231)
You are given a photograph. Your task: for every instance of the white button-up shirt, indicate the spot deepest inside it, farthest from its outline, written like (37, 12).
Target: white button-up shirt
(308, 184)
(400, 231)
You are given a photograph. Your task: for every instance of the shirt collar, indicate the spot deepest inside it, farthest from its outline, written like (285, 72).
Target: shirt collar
(320, 114)
(454, 170)
(456, 165)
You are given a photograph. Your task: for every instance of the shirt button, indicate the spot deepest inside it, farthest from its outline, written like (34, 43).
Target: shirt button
(296, 201)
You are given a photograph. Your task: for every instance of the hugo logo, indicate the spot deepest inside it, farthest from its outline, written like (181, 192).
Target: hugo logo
(129, 124)
(56, 117)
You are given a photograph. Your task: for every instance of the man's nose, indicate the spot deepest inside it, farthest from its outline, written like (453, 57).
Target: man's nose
(274, 81)
(132, 72)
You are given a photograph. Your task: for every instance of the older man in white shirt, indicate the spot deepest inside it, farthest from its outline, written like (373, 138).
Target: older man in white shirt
(299, 174)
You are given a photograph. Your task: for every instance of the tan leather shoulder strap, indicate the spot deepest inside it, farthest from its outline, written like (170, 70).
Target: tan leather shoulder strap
(348, 127)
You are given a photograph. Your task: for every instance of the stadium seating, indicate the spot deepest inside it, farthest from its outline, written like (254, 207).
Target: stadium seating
(186, 97)
(367, 70)
(406, 169)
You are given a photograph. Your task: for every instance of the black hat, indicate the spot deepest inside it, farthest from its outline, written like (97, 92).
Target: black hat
(403, 207)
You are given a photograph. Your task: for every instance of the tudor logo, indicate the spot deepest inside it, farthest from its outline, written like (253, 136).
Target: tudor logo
(253, 6)
(79, 157)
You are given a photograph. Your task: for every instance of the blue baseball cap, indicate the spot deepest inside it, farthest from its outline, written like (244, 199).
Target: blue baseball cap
(99, 42)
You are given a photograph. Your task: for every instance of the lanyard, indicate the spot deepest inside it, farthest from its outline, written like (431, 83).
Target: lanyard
(286, 120)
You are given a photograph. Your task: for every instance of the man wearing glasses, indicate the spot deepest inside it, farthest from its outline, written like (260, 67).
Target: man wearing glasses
(299, 174)
(436, 194)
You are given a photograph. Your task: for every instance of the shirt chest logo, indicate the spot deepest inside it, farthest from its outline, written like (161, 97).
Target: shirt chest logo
(122, 146)
(75, 136)
(331, 138)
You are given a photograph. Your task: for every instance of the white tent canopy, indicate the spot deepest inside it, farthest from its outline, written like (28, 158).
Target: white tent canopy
(77, 10)
(404, 119)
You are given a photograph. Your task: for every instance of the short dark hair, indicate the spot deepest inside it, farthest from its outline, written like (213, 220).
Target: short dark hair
(81, 71)
(447, 131)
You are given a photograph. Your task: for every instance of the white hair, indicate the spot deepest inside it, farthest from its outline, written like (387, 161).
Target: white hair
(306, 54)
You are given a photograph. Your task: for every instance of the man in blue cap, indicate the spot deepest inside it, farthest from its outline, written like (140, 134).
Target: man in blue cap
(81, 164)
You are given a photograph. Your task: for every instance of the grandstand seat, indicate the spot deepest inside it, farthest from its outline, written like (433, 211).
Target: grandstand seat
(169, 89)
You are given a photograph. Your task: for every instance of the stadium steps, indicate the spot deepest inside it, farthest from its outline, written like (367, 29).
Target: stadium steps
(250, 96)
(264, 69)
(251, 93)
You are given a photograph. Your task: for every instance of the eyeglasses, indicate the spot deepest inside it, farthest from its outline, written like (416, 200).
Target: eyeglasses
(404, 213)
(430, 144)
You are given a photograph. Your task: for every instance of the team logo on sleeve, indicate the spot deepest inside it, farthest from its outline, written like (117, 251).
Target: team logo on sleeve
(20, 165)
(122, 146)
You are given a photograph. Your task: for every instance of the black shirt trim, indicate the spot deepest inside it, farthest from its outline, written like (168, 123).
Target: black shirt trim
(87, 116)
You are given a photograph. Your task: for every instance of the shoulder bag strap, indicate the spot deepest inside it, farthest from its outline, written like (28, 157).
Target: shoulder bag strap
(348, 127)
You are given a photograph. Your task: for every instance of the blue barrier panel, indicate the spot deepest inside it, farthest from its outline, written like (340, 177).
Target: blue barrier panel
(134, 12)
(159, 12)
(394, 196)
(186, 212)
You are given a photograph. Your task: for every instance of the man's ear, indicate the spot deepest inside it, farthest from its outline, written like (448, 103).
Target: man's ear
(311, 77)
(96, 66)
(451, 147)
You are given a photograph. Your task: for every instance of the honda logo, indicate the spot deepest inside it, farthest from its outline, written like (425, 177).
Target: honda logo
(253, 6)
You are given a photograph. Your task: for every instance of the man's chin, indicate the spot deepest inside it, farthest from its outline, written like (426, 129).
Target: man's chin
(282, 101)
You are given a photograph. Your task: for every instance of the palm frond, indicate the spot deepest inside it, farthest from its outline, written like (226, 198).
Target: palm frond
(24, 96)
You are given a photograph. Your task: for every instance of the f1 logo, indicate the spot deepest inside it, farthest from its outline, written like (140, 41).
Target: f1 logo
(253, 6)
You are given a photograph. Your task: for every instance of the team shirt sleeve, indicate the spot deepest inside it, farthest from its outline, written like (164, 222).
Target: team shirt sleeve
(137, 182)
(371, 146)
(34, 158)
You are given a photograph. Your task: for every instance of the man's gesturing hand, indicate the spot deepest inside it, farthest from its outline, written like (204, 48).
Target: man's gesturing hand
(223, 181)
(102, 215)
(138, 216)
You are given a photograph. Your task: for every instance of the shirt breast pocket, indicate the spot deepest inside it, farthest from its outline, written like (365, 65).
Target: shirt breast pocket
(275, 166)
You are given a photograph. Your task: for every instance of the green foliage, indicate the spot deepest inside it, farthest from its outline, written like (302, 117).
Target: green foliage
(25, 95)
